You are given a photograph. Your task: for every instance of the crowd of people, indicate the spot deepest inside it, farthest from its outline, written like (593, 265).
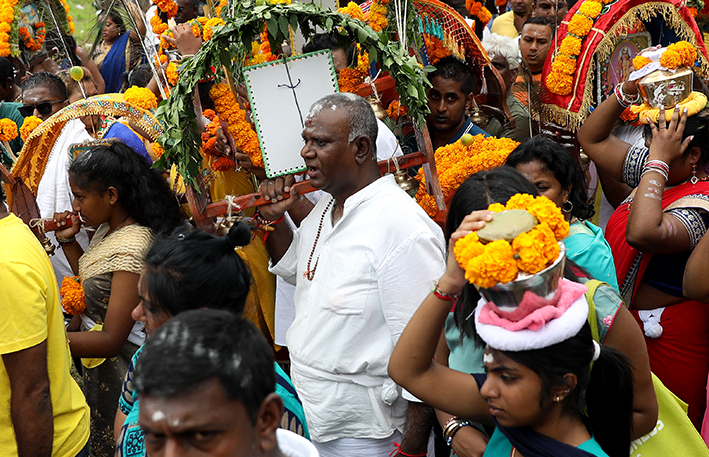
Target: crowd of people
(343, 322)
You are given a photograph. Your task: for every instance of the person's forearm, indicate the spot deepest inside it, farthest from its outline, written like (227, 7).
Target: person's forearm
(419, 420)
(278, 242)
(98, 344)
(645, 217)
(301, 210)
(72, 252)
(33, 422)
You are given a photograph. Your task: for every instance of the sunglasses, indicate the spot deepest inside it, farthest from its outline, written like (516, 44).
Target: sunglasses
(42, 108)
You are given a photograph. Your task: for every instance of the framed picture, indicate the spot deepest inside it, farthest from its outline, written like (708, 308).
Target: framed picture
(617, 67)
(29, 16)
(281, 93)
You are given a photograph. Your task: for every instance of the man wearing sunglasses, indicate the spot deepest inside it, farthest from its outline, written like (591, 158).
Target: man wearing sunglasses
(43, 94)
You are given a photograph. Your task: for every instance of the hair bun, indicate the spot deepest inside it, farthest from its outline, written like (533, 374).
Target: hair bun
(239, 235)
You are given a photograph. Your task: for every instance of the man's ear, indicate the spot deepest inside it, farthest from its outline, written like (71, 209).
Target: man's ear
(364, 148)
(268, 421)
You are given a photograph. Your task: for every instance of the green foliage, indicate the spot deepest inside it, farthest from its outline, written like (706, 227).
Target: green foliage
(231, 42)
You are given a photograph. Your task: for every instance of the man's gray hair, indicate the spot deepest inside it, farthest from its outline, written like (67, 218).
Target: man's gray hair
(502, 45)
(361, 120)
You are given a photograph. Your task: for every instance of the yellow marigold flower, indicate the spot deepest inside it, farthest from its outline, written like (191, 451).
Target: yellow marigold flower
(171, 73)
(352, 10)
(640, 61)
(207, 33)
(72, 292)
(591, 9)
(5, 27)
(564, 64)
(546, 211)
(559, 83)
(467, 248)
(495, 265)
(8, 129)
(141, 97)
(580, 25)
(158, 150)
(571, 46)
(29, 124)
(496, 208)
(670, 60)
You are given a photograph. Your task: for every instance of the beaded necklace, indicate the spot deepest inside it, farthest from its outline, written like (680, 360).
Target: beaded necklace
(310, 274)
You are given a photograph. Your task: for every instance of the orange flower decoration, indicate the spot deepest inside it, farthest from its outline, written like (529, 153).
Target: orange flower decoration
(352, 10)
(141, 97)
(72, 292)
(29, 124)
(171, 73)
(640, 61)
(396, 110)
(207, 32)
(8, 130)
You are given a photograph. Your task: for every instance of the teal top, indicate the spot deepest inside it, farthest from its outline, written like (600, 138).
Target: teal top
(500, 446)
(587, 246)
(9, 111)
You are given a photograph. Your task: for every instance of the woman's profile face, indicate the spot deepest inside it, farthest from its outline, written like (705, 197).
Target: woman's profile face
(151, 314)
(111, 31)
(94, 207)
(513, 392)
(544, 180)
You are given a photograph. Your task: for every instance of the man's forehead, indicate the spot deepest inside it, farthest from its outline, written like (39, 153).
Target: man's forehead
(40, 92)
(536, 31)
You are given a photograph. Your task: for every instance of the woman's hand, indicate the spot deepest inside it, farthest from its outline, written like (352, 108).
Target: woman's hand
(667, 142)
(468, 441)
(453, 280)
(70, 222)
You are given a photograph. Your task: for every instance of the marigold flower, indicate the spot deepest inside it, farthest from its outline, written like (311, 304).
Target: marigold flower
(223, 164)
(171, 73)
(30, 123)
(207, 32)
(564, 64)
(158, 150)
(141, 97)
(640, 61)
(580, 25)
(73, 298)
(591, 9)
(352, 10)
(396, 110)
(571, 46)
(8, 129)
(559, 83)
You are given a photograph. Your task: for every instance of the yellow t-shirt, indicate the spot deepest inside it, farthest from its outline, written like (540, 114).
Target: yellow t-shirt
(31, 314)
(504, 25)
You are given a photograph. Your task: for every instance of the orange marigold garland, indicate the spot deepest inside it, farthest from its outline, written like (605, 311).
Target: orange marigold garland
(168, 7)
(376, 16)
(679, 54)
(171, 73)
(349, 78)
(208, 31)
(640, 61)
(33, 43)
(477, 9)
(435, 48)
(228, 109)
(456, 162)
(8, 129)
(501, 261)
(561, 78)
(141, 97)
(396, 110)
(69, 19)
(7, 17)
(72, 292)
(30, 123)
(352, 10)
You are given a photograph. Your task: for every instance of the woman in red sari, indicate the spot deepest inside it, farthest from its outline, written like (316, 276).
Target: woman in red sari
(652, 234)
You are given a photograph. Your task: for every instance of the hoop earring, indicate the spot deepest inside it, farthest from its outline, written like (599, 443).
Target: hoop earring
(568, 209)
(694, 180)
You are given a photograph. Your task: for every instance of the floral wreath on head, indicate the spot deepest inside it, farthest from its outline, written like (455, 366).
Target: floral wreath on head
(501, 261)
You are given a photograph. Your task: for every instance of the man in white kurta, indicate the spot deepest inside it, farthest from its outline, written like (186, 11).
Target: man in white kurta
(362, 262)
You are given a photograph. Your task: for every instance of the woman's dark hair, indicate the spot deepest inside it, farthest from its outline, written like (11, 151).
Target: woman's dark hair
(697, 125)
(193, 269)
(608, 386)
(477, 193)
(142, 191)
(556, 160)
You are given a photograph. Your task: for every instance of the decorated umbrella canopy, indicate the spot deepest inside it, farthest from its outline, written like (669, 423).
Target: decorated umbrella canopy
(438, 20)
(34, 156)
(588, 37)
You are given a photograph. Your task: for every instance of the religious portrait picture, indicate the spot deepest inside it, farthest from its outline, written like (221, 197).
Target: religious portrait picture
(31, 28)
(617, 67)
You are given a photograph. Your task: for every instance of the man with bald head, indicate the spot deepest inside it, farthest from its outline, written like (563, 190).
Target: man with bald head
(361, 262)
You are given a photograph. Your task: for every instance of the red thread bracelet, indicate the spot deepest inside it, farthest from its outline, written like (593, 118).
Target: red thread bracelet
(398, 451)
